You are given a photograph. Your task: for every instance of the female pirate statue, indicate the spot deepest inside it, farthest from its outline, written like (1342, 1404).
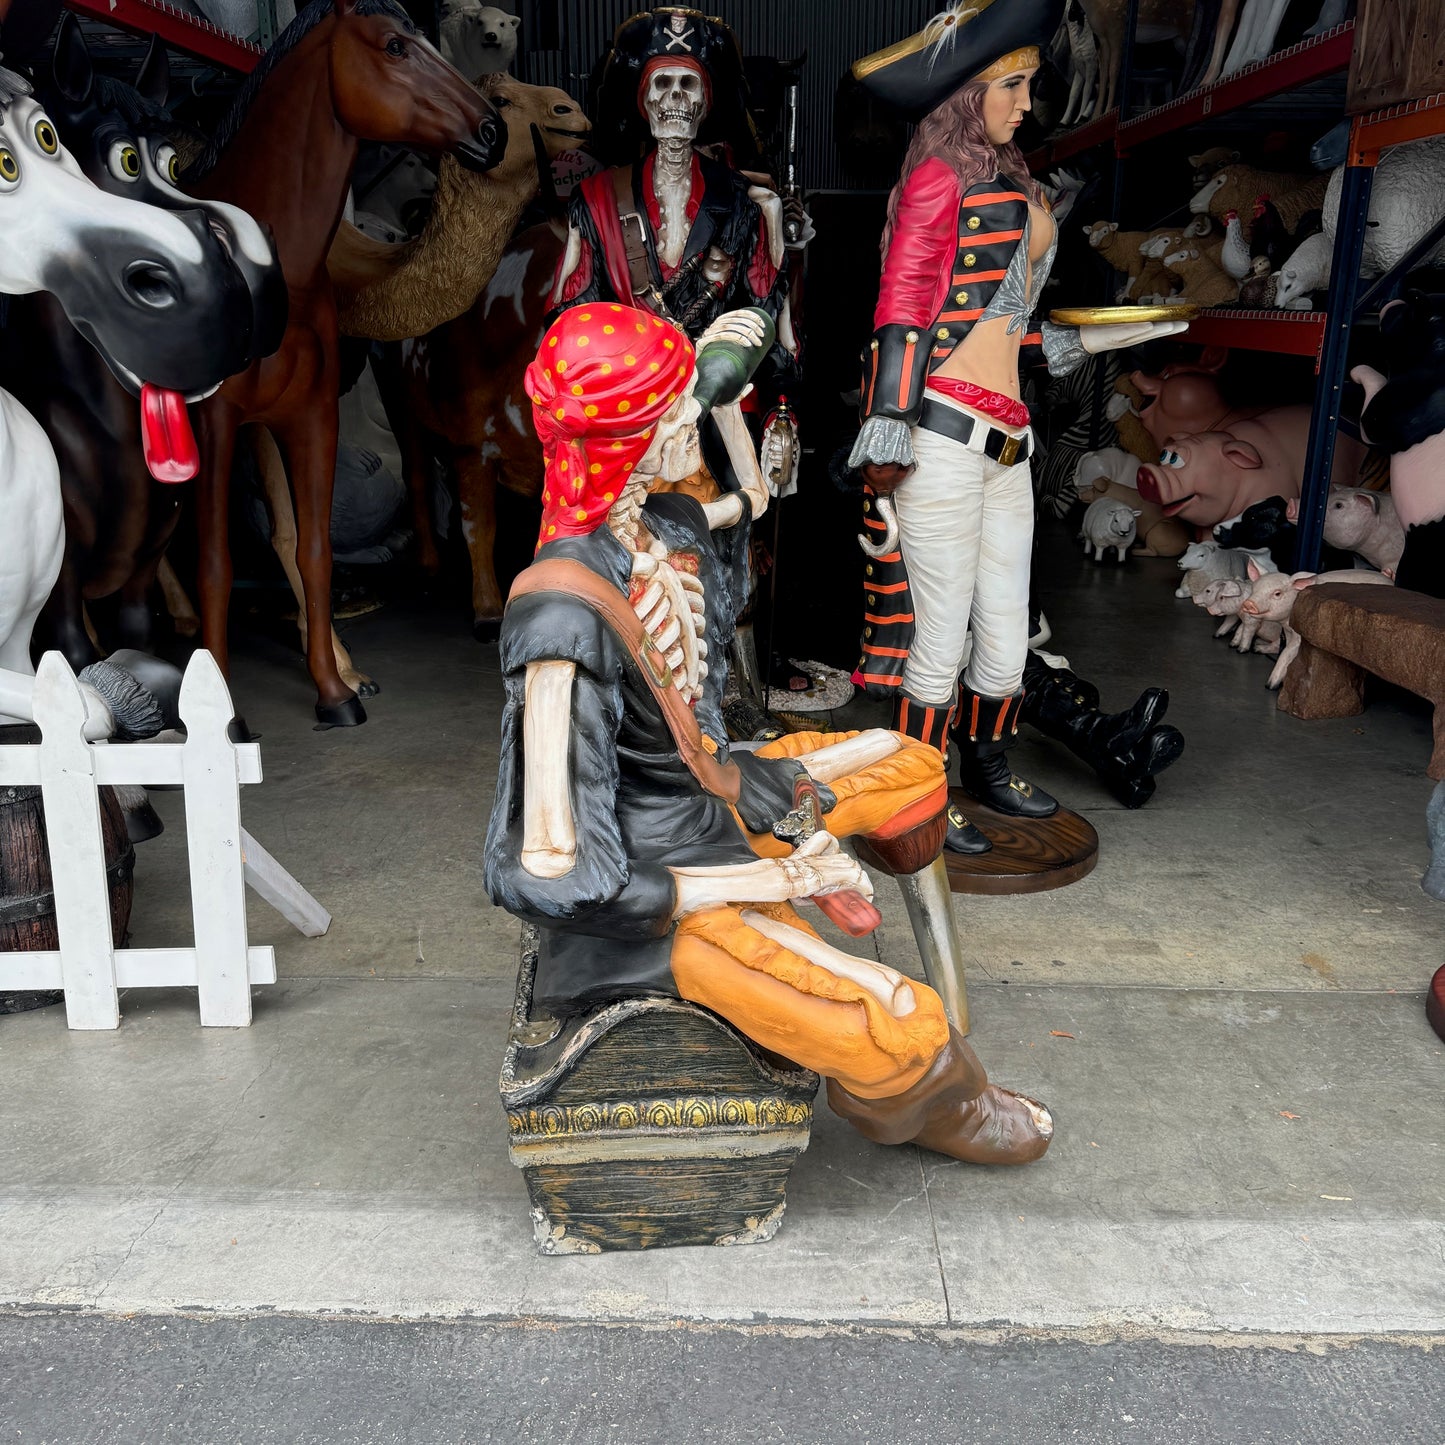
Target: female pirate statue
(966, 251)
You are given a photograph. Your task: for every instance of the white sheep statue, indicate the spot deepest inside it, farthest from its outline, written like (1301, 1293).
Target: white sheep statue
(1406, 201)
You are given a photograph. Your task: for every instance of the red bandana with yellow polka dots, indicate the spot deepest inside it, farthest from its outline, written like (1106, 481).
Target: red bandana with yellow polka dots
(603, 377)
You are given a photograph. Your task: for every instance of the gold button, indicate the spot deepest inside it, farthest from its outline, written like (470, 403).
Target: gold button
(868, 570)
(867, 632)
(974, 223)
(942, 333)
(970, 260)
(874, 345)
(867, 506)
(962, 298)
(872, 600)
(911, 337)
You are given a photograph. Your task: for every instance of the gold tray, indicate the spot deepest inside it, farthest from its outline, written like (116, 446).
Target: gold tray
(1110, 315)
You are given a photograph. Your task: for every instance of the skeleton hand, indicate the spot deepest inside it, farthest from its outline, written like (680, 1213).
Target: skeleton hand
(778, 455)
(798, 225)
(1119, 334)
(743, 327)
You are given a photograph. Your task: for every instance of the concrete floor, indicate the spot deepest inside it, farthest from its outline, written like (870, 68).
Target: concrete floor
(1249, 1124)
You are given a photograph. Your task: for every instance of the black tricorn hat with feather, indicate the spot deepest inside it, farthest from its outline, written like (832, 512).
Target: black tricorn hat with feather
(964, 43)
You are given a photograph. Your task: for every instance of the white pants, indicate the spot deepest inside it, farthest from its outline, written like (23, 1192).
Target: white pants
(966, 527)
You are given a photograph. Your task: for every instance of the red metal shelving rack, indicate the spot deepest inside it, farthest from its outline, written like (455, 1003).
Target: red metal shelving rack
(1074, 142)
(1288, 333)
(185, 32)
(1311, 60)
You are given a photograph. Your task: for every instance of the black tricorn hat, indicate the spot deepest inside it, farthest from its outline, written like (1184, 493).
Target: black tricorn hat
(918, 74)
(671, 32)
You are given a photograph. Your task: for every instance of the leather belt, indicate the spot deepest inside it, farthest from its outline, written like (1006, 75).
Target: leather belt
(959, 427)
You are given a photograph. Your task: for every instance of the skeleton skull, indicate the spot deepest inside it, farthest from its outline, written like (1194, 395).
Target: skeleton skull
(674, 453)
(675, 103)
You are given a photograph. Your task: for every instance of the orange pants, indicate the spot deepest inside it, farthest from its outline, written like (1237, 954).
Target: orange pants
(800, 1009)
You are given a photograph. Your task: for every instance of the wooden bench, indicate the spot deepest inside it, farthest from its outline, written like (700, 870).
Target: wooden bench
(1348, 631)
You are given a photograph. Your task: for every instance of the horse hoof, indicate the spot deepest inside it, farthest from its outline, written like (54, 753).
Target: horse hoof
(143, 823)
(346, 714)
(487, 629)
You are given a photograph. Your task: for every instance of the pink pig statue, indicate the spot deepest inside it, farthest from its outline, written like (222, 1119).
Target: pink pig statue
(1217, 461)
(1225, 597)
(1364, 523)
(1272, 599)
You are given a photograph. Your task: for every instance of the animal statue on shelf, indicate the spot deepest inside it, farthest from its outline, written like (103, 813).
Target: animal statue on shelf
(1365, 523)
(1123, 250)
(652, 860)
(1237, 187)
(1405, 414)
(1260, 289)
(354, 69)
(1208, 162)
(1159, 20)
(1253, 27)
(120, 506)
(1216, 461)
(1108, 525)
(1272, 597)
(159, 298)
(1201, 280)
(1083, 51)
(1407, 203)
(477, 39)
(391, 293)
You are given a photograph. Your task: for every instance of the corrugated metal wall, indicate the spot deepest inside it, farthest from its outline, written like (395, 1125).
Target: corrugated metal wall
(564, 39)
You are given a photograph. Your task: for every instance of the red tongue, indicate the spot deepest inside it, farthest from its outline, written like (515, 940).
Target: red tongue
(170, 444)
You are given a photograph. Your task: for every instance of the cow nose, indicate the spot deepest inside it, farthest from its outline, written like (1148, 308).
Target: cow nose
(150, 284)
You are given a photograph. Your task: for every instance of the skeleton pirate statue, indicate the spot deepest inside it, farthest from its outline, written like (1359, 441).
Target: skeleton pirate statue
(651, 859)
(684, 231)
(945, 441)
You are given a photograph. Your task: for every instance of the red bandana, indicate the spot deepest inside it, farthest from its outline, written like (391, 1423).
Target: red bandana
(603, 377)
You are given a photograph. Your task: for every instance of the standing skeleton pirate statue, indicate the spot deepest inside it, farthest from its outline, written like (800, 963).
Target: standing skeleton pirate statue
(684, 232)
(651, 859)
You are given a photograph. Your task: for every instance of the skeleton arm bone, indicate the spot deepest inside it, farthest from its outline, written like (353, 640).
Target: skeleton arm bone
(734, 432)
(571, 259)
(549, 835)
(817, 866)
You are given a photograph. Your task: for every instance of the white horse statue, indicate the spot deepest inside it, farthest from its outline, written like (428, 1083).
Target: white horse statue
(130, 276)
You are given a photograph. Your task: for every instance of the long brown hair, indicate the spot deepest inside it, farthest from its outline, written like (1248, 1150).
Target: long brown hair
(955, 134)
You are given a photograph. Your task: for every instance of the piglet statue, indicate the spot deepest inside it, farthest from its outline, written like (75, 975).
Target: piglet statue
(1108, 525)
(1364, 523)
(1272, 599)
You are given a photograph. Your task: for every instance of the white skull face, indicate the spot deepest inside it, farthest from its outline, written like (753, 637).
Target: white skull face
(675, 103)
(674, 453)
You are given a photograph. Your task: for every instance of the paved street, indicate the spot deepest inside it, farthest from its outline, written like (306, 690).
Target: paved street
(80, 1379)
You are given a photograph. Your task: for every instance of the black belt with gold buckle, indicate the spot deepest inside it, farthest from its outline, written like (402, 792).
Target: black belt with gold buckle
(1003, 448)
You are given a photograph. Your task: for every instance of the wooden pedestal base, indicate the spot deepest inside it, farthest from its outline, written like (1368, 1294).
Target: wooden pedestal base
(648, 1122)
(1029, 855)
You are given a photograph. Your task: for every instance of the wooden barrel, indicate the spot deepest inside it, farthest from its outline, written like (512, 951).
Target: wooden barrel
(27, 898)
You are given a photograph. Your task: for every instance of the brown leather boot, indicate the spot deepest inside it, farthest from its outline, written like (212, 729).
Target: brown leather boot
(954, 1110)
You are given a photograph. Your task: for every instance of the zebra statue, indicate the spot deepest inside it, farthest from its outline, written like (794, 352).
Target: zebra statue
(1069, 403)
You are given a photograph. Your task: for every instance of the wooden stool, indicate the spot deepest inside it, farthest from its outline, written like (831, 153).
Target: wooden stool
(648, 1122)
(1347, 631)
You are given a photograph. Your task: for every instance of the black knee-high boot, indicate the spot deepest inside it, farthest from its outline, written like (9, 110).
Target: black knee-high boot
(984, 729)
(929, 723)
(1126, 749)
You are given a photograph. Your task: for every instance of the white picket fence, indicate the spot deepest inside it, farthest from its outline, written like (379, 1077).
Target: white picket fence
(223, 964)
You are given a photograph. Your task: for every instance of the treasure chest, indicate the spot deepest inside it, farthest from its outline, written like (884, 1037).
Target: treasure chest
(648, 1122)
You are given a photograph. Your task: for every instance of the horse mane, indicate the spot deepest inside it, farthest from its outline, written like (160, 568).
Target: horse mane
(12, 88)
(142, 115)
(305, 22)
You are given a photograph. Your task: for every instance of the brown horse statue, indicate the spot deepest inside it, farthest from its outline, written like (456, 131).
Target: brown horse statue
(466, 402)
(344, 71)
